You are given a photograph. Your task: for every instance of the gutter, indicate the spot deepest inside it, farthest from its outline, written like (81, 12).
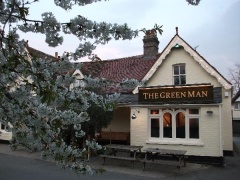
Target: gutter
(220, 130)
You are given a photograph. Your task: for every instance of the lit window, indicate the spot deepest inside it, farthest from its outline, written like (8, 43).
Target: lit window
(175, 124)
(193, 111)
(180, 125)
(154, 112)
(179, 74)
(167, 125)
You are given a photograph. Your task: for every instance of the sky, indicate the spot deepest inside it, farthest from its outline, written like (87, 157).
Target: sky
(213, 26)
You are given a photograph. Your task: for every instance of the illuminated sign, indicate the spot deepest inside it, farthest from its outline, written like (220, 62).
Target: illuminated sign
(184, 93)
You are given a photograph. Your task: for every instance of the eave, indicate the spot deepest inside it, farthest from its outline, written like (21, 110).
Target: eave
(196, 56)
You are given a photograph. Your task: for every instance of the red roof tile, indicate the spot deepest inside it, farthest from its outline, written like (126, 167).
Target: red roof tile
(116, 70)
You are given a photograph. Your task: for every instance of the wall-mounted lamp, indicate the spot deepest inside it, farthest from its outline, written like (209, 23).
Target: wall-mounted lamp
(134, 116)
(209, 112)
(226, 94)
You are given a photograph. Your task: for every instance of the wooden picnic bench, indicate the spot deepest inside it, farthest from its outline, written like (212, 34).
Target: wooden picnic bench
(111, 136)
(115, 148)
(153, 155)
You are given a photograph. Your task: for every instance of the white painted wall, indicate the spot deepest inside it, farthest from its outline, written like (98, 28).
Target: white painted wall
(227, 132)
(195, 74)
(209, 142)
(210, 139)
(5, 134)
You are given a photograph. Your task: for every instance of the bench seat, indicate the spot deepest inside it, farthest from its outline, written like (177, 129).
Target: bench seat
(114, 136)
(162, 162)
(118, 157)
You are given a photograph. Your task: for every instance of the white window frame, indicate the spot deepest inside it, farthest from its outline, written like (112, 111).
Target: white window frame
(179, 75)
(185, 141)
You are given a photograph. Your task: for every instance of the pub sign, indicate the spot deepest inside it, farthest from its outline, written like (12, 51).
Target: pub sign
(171, 93)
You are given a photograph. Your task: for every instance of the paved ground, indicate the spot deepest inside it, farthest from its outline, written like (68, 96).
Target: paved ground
(192, 171)
(120, 166)
(25, 168)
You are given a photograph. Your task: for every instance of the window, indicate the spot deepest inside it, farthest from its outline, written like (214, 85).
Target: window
(167, 125)
(180, 125)
(4, 127)
(154, 112)
(179, 74)
(193, 128)
(173, 124)
(193, 111)
(237, 106)
(155, 127)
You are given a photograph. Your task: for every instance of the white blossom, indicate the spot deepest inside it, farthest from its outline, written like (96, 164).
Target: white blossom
(36, 99)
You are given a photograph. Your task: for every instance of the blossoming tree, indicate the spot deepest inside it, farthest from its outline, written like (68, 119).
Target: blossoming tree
(35, 95)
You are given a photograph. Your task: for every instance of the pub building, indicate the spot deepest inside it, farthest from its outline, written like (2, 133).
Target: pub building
(184, 105)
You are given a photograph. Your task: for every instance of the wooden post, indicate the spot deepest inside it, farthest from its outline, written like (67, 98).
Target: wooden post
(89, 150)
(110, 136)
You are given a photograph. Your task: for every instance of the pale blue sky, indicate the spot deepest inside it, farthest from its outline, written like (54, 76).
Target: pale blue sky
(214, 26)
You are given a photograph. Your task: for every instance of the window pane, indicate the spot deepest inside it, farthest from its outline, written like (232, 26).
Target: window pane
(180, 125)
(176, 70)
(154, 127)
(182, 69)
(167, 125)
(237, 106)
(154, 112)
(193, 111)
(2, 126)
(179, 74)
(176, 80)
(183, 79)
(194, 128)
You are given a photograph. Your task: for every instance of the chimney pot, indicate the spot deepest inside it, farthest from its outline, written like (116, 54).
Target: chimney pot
(56, 54)
(153, 32)
(150, 44)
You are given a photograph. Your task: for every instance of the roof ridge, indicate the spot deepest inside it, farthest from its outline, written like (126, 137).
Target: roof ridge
(123, 58)
(39, 54)
(203, 59)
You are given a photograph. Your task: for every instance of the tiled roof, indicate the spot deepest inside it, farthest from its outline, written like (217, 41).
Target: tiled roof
(235, 98)
(128, 99)
(36, 53)
(116, 70)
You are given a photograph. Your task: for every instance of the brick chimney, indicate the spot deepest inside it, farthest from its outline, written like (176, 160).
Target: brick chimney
(150, 44)
(56, 55)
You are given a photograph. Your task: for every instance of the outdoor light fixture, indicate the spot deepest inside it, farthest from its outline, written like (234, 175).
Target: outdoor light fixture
(177, 46)
(226, 94)
(209, 112)
(134, 116)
